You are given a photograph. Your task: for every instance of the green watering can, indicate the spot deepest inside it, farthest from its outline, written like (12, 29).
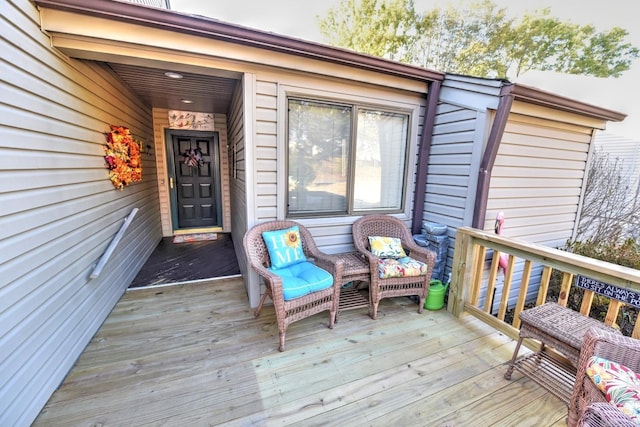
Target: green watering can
(435, 299)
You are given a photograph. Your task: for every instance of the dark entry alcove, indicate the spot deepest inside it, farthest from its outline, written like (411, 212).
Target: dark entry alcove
(182, 262)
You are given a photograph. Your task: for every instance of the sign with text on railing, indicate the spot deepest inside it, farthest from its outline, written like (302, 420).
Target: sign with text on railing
(625, 295)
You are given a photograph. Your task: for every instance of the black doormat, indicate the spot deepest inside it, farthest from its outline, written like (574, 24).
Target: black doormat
(183, 262)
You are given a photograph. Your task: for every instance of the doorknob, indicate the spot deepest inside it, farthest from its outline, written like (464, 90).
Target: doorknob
(171, 183)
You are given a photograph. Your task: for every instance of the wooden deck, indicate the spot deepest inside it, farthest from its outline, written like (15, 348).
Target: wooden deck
(194, 355)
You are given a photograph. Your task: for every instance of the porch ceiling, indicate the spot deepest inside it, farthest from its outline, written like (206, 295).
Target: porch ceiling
(208, 93)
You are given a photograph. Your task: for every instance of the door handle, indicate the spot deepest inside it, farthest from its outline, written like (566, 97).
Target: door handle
(171, 183)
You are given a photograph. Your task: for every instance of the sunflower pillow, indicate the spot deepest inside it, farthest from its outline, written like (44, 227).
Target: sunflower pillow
(284, 246)
(386, 247)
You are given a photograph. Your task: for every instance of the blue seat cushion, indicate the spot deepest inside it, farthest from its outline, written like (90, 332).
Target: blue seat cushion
(302, 279)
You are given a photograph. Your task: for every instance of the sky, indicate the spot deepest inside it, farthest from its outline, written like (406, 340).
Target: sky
(298, 18)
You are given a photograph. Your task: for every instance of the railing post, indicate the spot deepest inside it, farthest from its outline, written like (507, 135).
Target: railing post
(463, 271)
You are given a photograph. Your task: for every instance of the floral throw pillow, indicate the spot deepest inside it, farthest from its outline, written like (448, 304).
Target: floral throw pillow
(284, 246)
(402, 267)
(386, 247)
(620, 385)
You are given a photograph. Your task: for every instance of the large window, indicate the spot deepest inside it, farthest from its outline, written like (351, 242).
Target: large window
(345, 158)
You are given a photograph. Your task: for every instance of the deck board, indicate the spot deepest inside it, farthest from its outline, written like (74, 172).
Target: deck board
(194, 354)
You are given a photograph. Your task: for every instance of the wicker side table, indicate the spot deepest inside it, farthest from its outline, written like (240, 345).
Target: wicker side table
(562, 329)
(356, 270)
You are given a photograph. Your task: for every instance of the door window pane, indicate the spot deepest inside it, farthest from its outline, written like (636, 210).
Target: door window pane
(381, 147)
(318, 163)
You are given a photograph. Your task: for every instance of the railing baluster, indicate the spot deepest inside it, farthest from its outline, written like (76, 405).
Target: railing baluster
(565, 288)
(544, 285)
(477, 275)
(491, 285)
(636, 330)
(506, 288)
(587, 302)
(522, 296)
(612, 312)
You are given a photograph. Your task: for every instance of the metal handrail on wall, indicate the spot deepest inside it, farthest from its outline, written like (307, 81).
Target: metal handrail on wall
(112, 246)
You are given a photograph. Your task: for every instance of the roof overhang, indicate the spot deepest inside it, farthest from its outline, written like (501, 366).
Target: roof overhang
(547, 99)
(213, 29)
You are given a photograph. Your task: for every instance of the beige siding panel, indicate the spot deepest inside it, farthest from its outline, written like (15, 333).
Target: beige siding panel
(518, 172)
(540, 114)
(221, 127)
(58, 209)
(266, 141)
(538, 173)
(161, 122)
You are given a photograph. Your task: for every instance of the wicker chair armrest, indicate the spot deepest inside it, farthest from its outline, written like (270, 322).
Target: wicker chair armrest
(604, 414)
(275, 281)
(615, 347)
(332, 264)
(421, 253)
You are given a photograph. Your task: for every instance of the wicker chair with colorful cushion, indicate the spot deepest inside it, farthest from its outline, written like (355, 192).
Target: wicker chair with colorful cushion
(299, 278)
(399, 267)
(607, 380)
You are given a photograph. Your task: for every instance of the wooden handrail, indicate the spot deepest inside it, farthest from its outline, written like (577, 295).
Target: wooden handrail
(114, 242)
(471, 247)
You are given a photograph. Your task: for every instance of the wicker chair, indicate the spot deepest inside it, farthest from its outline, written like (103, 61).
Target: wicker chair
(302, 307)
(588, 405)
(388, 226)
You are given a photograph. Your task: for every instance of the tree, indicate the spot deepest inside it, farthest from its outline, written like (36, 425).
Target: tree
(386, 29)
(478, 40)
(609, 211)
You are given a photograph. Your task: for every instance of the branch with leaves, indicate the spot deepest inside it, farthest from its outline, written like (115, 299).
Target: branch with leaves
(477, 40)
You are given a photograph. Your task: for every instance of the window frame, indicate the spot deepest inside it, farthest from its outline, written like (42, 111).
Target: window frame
(357, 105)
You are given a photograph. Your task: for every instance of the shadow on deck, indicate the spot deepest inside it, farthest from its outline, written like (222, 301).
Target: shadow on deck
(194, 354)
(189, 261)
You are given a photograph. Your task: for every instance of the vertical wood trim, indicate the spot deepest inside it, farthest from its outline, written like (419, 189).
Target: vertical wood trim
(423, 156)
(465, 254)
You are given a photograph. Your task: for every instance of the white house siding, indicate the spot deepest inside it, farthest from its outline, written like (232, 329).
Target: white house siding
(58, 209)
(462, 124)
(627, 152)
(537, 181)
(455, 154)
(160, 124)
